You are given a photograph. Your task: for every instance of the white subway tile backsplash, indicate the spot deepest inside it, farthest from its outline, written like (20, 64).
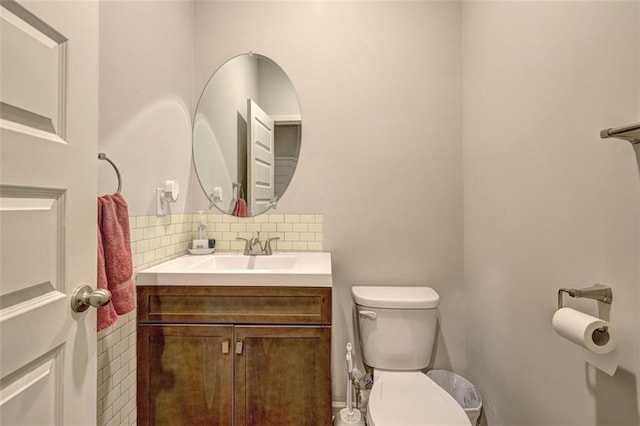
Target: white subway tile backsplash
(314, 227)
(299, 246)
(253, 227)
(314, 246)
(299, 227)
(128, 408)
(292, 218)
(284, 227)
(222, 227)
(141, 221)
(285, 245)
(238, 227)
(104, 417)
(292, 236)
(103, 389)
(308, 218)
(137, 234)
(154, 243)
(263, 218)
(158, 239)
(269, 227)
(229, 219)
(276, 218)
(149, 256)
(119, 403)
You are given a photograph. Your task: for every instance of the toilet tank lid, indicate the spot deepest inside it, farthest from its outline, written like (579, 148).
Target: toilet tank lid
(396, 297)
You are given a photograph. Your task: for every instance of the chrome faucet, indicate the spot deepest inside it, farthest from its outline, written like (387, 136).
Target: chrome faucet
(253, 246)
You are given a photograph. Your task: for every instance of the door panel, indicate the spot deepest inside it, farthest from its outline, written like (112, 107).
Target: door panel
(48, 146)
(33, 76)
(260, 157)
(283, 376)
(185, 377)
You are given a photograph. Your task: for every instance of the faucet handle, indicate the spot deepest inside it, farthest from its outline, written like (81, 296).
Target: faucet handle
(247, 245)
(267, 245)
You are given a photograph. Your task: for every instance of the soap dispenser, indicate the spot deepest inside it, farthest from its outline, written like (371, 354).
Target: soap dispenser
(200, 240)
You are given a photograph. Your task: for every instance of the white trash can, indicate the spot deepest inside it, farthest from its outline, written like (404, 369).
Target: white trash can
(462, 390)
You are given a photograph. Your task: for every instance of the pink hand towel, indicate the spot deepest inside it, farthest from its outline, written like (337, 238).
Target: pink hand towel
(116, 242)
(107, 315)
(241, 209)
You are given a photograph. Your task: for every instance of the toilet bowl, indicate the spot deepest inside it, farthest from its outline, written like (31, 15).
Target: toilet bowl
(396, 327)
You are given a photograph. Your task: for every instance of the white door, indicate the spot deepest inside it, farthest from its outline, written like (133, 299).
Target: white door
(260, 154)
(48, 162)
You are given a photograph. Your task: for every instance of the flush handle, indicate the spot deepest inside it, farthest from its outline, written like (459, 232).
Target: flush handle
(368, 314)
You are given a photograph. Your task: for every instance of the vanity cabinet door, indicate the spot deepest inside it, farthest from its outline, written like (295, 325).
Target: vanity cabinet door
(283, 375)
(185, 375)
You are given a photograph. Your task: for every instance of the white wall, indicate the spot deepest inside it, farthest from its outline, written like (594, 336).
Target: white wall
(277, 95)
(146, 74)
(548, 204)
(379, 86)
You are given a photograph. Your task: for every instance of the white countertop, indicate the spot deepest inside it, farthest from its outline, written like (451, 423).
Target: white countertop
(288, 269)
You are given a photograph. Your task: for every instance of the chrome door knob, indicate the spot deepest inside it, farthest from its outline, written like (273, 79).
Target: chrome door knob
(84, 297)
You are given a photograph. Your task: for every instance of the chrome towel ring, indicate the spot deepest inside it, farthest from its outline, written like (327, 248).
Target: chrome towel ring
(103, 156)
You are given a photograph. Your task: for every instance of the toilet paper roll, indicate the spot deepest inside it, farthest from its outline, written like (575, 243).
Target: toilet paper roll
(591, 333)
(607, 363)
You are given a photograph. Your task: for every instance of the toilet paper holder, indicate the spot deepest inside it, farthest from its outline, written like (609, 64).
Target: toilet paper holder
(599, 292)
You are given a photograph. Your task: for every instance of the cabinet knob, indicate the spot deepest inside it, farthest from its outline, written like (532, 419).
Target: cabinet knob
(225, 347)
(238, 348)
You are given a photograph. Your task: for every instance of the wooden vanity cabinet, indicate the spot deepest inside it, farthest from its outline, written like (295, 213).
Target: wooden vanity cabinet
(234, 355)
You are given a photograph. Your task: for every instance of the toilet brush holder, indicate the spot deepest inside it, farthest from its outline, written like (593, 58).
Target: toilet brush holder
(345, 418)
(349, 415)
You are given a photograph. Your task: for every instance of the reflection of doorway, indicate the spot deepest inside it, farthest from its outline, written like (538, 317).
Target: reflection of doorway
(287, 147)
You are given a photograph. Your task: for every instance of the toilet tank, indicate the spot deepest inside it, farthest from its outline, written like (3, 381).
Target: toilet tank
(396, 325)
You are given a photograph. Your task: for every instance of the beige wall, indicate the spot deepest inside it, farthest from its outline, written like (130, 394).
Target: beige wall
(146, 74)
(548, 204)
(379, 86)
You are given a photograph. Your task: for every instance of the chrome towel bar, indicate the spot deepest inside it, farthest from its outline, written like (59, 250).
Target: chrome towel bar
(630, 133)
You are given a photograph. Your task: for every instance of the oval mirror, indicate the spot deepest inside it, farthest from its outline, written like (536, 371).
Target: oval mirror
(246, 135)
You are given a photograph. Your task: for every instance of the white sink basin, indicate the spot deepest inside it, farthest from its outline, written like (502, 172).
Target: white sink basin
(282, 269)
(227, 262)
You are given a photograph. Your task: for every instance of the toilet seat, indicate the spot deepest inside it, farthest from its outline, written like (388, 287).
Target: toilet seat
(410, 398)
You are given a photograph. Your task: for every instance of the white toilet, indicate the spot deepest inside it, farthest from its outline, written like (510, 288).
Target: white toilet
(397, 327)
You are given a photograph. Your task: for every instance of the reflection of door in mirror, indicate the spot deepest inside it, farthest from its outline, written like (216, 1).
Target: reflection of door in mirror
(260, 158)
